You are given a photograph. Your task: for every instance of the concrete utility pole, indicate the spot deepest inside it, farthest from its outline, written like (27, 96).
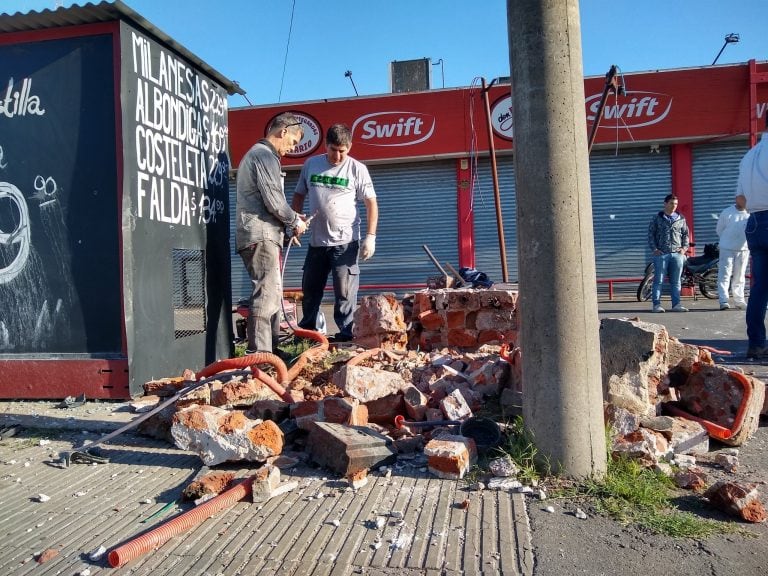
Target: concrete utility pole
(562, 386)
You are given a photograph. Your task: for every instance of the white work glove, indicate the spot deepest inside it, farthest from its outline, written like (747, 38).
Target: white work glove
(368, 247)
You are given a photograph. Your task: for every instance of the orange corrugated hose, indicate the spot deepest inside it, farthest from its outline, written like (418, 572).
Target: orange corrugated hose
(160, 535)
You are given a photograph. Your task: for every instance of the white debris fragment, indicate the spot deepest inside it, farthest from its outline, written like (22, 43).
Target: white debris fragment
(85, 572)
(43, 498)
(542, 494)
(504, 467)
(147, 501)
(43, 442)
(11, 462)
(79, 494)
(97, 553)
(401, 541)
(380, 522)
(27, 464)
(335, 522)
(580, 514)
(504, 484)
(376, 545)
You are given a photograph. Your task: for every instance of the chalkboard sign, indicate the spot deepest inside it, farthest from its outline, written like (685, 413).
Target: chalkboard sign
(59, 221)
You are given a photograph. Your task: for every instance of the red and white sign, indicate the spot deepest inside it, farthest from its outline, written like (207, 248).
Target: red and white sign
(631, 110)
(501, 118)
(312, 138)
(687, 105)
(393, 128)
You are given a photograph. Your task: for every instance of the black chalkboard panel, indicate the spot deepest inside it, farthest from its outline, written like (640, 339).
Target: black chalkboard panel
(60, 289)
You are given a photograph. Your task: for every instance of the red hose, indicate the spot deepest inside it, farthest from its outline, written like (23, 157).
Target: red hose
(310, 354)
(160, 535)
(251, 360)
(244, 362)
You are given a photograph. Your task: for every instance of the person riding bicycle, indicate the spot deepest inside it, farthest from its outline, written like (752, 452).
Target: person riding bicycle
(668, 241)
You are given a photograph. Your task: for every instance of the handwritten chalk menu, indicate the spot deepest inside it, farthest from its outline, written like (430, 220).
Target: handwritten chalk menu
(176, 135)
(59, 232)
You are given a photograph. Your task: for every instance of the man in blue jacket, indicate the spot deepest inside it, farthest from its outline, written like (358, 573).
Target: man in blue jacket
(668, 241)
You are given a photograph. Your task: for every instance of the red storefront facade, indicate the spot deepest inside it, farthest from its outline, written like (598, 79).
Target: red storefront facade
(680, 131)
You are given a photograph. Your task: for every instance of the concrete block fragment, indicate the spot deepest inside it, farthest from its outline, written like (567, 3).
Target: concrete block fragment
(455, 407)
(415, 403)
(738, 499)
(266, 481)
(642, 444)
(219, 435)
(366, 384)
(634, 362)
(450, 456)
(349, 449)
(687, 437)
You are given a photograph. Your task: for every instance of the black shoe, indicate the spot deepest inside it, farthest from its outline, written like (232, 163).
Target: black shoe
(757, 352)
(339, 337)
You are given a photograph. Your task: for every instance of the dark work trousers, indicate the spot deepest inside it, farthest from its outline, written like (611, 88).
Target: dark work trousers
(262, 260)
(757, 240)
(341, 261)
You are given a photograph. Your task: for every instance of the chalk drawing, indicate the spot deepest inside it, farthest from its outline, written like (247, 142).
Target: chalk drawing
(2, 164)
(15, 243)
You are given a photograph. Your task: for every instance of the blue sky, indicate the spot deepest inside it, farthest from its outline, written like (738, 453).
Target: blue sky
(246, 40)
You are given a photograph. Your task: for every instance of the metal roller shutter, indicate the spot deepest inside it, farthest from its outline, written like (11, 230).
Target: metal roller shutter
(715, 171)
(417, 206)
(487, 250)
(626, 191)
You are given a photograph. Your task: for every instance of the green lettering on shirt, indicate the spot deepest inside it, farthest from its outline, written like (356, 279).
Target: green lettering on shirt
(329, 180)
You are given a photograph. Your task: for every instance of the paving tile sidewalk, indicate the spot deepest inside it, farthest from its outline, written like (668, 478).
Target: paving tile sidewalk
(323, 527)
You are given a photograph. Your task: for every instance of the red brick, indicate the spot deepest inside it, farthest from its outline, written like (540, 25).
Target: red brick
(431, 320)
(422, 301)
(384, 410)
(462, 338)
(344, 411)
(455, 319)
(486, 336)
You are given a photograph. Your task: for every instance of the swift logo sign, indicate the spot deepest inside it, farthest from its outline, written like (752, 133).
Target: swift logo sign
(393, 128)
(633, 110)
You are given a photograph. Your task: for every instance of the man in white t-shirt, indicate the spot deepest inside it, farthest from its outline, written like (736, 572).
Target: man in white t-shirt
(335, 184)
(734, 253)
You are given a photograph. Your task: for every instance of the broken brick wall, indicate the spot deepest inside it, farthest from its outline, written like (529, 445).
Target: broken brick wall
(462, 318)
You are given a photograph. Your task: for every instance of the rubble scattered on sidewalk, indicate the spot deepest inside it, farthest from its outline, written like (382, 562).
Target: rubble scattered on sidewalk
(435, 360)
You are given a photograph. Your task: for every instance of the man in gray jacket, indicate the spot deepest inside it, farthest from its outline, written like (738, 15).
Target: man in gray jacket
(262, 215)
(668, 241)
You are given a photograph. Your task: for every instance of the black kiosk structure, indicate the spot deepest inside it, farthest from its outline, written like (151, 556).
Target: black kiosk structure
(114, 216)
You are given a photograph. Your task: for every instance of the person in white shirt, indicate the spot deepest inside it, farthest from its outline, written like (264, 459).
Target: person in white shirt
(734, 253)
(335, 184)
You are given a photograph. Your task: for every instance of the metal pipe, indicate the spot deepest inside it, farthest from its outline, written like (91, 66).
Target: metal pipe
(494, 174)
